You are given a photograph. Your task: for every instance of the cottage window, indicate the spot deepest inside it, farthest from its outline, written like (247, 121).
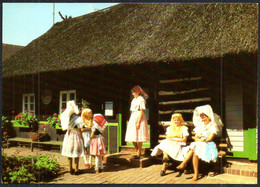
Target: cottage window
(66, 96)
(29, 102)
(109, 108)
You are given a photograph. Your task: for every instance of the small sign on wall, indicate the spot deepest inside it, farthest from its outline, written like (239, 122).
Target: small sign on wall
(109, 108)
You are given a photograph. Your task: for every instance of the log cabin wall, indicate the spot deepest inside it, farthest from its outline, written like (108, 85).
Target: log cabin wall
(184, 86)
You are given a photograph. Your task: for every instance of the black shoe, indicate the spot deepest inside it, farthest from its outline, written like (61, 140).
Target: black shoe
(137, 157)
(100, 170)
(162, 173)
(77, 172)
(72, 172)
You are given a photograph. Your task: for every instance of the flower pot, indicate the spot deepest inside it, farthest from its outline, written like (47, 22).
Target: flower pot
(39, 136)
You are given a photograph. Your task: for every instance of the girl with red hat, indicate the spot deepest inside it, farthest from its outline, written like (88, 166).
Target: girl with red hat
(97, 143)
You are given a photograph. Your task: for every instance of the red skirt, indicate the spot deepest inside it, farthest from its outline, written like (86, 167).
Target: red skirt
(98, 146)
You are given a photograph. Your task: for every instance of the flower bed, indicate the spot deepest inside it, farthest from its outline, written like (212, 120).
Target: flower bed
(29, 169)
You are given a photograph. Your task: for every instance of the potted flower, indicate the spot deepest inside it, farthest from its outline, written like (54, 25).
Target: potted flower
(27, 119)
(53, 121)
(53, 126)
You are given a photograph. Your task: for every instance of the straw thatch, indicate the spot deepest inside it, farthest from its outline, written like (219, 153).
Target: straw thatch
(140, 33)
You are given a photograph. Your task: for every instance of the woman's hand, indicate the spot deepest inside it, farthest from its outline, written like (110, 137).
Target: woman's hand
(138, 125)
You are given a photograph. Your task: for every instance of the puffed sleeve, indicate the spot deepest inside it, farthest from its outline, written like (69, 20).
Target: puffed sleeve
(141, 103)
(185, 131)
(197, 129)
(167, 131)
(79, 122)
(213, 129)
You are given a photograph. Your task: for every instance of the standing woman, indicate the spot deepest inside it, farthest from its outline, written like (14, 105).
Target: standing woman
(137, 129)
(73, 146)
(207, 126)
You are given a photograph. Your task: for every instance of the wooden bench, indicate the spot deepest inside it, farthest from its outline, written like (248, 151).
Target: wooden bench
(222, 144)
(34, 143)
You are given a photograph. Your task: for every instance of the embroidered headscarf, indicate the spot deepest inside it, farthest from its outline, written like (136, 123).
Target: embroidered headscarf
(140, 91)
(84, 112)
(206, 109)
(99, 122)
(173, 129)
(71, 108)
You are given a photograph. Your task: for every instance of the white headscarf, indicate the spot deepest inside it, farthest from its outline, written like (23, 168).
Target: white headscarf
(206, 109)
(71, 108)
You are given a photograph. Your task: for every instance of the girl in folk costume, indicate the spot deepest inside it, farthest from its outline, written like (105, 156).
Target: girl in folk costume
(87, 120)
(73, 142)
(172, 146)
(137, 129)
(97, 144)
(207, 126)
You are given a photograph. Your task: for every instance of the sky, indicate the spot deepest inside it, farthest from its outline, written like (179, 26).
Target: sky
(24, 22)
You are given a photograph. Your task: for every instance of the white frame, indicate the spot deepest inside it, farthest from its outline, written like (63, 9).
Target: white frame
(28, 102)
(67, 92)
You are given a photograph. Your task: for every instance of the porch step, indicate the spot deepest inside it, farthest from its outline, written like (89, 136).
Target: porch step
(127, 159)
(240, 168)
(131, 150)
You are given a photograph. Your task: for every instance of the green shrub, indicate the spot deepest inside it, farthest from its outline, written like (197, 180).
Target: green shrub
(25, 170)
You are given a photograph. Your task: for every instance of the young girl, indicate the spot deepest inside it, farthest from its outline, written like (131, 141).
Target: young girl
(73, 142)
(87, 120)
(97, 144)
(137, 129)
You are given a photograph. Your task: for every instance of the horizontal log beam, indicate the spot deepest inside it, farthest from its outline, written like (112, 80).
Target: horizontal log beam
(163, 93)
(180, 80)
(185, 101)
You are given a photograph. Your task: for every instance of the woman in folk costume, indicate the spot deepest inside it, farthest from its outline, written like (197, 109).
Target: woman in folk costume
(73, 146)
(207, 126)
(97, 144)
(87, 120)
(172, 146)
(137, 129)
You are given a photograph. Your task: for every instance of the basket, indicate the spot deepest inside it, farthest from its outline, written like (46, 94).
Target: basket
(38, 136)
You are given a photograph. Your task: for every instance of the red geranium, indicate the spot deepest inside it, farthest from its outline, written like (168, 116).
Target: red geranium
(63, 109)
(5, 133)
(54, 114)
(43, 126)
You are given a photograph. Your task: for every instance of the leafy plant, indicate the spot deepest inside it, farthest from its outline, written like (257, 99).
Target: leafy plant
(53, 120)
(25, 170)
(26, 118)
(7, 128)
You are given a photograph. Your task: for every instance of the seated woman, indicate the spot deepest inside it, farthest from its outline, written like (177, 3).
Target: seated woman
(172, 146)
(207, 125)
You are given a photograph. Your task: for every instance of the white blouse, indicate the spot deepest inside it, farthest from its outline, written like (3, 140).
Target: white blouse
(137, 104)
(205, 130)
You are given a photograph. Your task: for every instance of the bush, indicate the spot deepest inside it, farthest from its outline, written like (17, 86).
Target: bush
(25, 170)
(7, 129)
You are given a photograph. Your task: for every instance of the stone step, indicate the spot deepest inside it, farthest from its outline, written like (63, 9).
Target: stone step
(131, 149)
(127, 159)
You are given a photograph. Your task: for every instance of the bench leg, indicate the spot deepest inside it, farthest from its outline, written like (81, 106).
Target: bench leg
(31, 147)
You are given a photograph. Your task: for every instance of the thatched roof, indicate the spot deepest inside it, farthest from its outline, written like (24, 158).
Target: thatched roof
(140, 33)
(9, 49)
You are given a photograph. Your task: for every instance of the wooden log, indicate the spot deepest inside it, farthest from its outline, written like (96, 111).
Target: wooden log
(176, 86)
(180, 80)
(185, 101)
(163, 93)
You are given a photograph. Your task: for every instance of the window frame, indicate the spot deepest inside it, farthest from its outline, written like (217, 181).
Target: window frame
(28, 102)
(67, 92)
